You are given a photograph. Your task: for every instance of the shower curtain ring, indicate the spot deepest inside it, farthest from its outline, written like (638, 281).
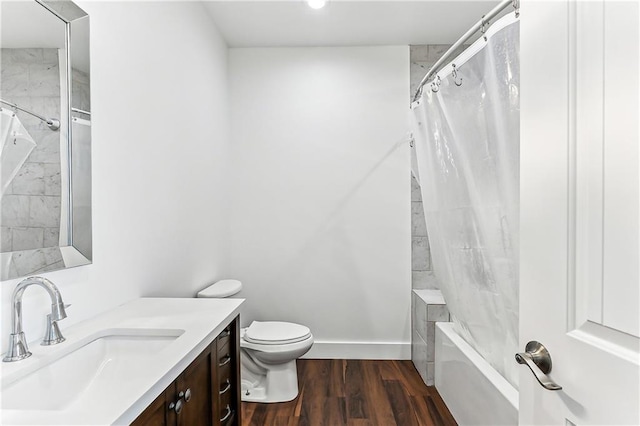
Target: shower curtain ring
(454, 74)
(435, 86)
(483, 28)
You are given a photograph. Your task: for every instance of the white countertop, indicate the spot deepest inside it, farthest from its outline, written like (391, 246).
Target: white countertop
(200, 319)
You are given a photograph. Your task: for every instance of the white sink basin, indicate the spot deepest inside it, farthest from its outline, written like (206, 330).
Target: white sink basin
(101, 365)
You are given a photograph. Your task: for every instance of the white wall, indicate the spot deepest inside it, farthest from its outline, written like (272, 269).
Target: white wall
(320, 211)
(160, 155)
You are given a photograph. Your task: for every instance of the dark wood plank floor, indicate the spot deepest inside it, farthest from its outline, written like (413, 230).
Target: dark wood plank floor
(354, 393)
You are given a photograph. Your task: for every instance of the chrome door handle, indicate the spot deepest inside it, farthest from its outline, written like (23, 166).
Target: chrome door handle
(537, 358)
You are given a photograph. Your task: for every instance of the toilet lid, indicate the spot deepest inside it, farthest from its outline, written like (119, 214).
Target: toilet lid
(276, 332)
(220, 289)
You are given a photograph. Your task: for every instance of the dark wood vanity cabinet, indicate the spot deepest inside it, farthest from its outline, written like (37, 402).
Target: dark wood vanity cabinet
(207, 392)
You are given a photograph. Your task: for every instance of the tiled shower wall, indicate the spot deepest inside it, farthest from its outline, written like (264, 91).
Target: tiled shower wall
(31, 203)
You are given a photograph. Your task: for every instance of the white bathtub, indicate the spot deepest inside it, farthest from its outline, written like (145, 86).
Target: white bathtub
(475, 393)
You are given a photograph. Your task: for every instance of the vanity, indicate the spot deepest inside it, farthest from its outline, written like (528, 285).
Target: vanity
(207, 392)
(151, 361)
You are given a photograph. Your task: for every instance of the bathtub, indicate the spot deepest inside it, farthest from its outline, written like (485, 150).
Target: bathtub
(475, 393)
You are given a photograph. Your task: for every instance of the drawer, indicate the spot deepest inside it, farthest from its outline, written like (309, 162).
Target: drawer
(225, 356)
(227, 408)
(224, 371)
(225, 387)
(225, 336)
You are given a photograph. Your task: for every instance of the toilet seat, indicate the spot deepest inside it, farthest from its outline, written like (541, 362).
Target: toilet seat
(275, 333)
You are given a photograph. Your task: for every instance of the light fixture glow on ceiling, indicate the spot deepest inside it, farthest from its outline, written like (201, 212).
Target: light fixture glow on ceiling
(316, 4)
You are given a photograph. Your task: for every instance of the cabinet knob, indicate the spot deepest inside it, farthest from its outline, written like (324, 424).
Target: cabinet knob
(176, 406)
(186, 395)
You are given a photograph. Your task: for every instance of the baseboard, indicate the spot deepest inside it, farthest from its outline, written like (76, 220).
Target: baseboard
(359, 350)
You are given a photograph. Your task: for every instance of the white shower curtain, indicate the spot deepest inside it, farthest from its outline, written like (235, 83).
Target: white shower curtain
(15, 146)
(467, 148)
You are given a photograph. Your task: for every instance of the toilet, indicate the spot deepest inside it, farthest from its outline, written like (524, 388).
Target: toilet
(269, 350)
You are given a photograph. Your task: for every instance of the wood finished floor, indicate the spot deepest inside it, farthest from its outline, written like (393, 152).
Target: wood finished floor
(354, 393)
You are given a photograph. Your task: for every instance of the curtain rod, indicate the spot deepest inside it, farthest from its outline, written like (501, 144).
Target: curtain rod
(53, 123)
(81, 111)
(480, 25)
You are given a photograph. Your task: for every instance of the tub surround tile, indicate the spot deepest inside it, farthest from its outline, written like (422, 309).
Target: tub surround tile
(431, 338)
(435, 51)
(27, 55)
(41, 260)
(29, 180)
(418, 70)
(52, 179)
(420, 313)
(5, 239)
(416, 194)
(26, 238)
(50, 267)
(50, 57)
(420, 256)
(431, 374)
(44, 79)
(419, 355)
(428, 308)
(419, 52)
(51, 237)
(15, 210)
(418, 223)
(44, 211)
(15, 82)
(437, 313)
(424, 280)
(48, 149)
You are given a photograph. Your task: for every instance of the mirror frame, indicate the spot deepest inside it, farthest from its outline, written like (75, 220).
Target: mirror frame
(68, 12)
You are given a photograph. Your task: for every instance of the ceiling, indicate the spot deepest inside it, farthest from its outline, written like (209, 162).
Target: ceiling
(344, 23)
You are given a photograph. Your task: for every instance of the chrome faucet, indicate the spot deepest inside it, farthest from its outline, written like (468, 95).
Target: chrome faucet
(17, 343)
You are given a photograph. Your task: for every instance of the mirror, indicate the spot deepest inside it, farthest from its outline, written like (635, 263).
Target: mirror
(45, 138)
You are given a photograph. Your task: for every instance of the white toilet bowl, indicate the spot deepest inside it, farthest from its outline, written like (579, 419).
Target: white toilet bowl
(269, 350)
(268, 361)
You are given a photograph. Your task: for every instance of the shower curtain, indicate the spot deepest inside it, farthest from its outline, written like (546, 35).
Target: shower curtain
(15, 146)
(466, 132)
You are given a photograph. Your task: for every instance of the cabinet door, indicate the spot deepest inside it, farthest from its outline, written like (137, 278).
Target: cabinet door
(195, 388)
(158, 413)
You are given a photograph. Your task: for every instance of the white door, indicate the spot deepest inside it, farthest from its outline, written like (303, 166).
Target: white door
(579, 282)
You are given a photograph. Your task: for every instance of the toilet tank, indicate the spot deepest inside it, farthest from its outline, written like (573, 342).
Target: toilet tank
(220, 289)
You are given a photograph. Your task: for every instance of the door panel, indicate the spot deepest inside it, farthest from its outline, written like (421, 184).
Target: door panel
(579, 209)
